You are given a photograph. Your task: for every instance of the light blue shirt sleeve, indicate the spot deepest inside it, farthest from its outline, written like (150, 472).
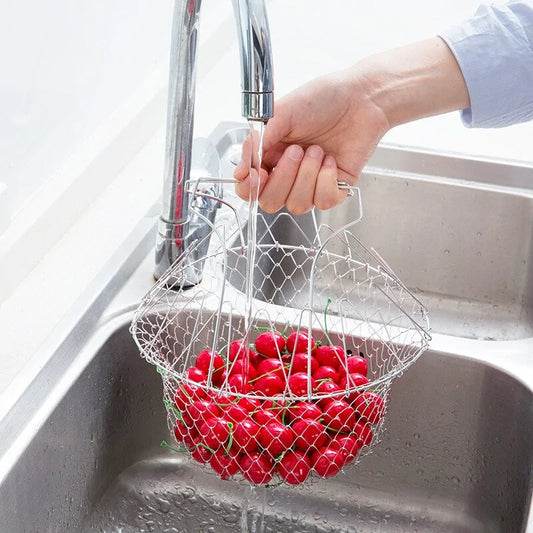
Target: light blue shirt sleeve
(494, 50)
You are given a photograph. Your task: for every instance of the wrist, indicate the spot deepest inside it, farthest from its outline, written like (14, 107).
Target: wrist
(413, 82)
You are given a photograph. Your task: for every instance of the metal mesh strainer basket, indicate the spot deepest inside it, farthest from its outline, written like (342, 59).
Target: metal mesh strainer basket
(292, 383)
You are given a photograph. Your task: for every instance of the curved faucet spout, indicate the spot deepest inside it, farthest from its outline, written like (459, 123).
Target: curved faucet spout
(182, 220)
(256, 59)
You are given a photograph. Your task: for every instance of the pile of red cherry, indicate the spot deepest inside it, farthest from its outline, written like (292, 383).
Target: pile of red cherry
(231, 427)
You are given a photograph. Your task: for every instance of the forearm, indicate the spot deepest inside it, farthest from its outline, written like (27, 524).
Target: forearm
(415, 81)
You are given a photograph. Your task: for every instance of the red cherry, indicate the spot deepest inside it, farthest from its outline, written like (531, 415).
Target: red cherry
(221, 400)
(257, 468)
(200, 411)
(300, 342)
(355, 364)
(364, 433)
(239, 383)
(276, 405)
(370, 406)
(199, 452)
(348, 445)
(264, 416)
(303, 410)
(186, 394)
(327, 389)
(225, 463)
(214, 432)
(300, 383)
(294, 467)
(330, 355)
(196, 375)
(300, 363)
(184, 434)
(276, 438)
(309, 434)
(326, 373)
(208, 361)
(351, 381)
(236, 412)
(270, 344)
(269, 385)
(237, 349)
(250, 404)
(240, 366)
(271, 366)
(245, 435)
(339, 416)
(327, 462)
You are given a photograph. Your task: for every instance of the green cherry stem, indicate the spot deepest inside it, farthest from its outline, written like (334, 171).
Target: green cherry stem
(328, 303)
(230, 440)
(165, 444)
(179, 416)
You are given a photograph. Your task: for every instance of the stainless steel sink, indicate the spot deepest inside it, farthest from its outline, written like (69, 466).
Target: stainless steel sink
(80, 444)
(455, 457)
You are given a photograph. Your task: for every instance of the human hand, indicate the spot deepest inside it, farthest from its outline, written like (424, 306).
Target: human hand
(321, 134)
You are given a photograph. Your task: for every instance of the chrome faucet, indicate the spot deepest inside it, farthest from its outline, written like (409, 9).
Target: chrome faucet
(182, 224)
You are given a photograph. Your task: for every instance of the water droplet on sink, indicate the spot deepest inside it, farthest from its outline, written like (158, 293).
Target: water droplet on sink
(163, 505)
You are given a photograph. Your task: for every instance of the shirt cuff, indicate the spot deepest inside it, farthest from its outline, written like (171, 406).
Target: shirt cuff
(494, 50)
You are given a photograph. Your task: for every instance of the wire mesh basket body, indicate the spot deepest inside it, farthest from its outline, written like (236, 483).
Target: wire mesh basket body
(283, 369)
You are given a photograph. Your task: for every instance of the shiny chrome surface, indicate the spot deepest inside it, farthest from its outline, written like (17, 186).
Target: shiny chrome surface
(79, 444)
(181, 222)
(256, 59)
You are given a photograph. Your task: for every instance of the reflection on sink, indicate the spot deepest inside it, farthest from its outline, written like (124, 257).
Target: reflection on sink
(464, 249)
(96, 464)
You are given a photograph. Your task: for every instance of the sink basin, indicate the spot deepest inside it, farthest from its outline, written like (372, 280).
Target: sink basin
(80, 442)
(96, 463)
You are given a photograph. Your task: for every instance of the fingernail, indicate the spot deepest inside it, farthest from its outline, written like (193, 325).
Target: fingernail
(315, 151)
(329, 161)
(295, 153)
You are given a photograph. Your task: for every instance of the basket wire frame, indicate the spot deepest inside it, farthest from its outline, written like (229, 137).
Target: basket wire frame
(323, 282)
